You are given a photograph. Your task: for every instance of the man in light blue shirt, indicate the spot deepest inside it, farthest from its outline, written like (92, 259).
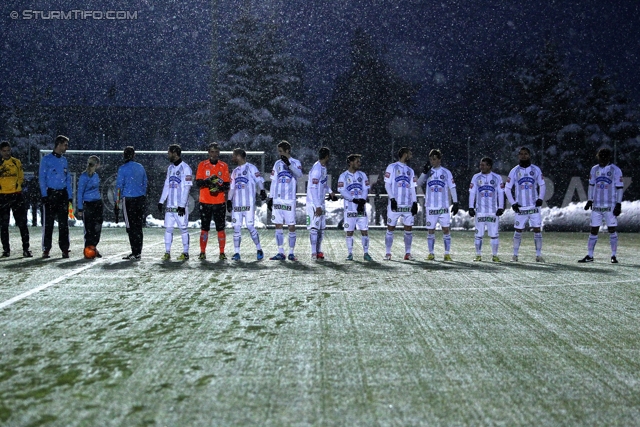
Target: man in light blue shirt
(55, 189)
(131, 195)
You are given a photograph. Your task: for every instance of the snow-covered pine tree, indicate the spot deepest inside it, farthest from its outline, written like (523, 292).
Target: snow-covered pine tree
(260, 90)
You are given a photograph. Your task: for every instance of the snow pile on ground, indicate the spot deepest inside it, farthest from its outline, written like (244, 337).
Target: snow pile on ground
(570, 218)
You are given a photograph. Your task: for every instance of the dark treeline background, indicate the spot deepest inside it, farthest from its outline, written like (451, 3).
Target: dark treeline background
(501, 103)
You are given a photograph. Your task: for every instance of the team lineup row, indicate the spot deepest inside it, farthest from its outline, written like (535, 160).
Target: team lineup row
(221, 190)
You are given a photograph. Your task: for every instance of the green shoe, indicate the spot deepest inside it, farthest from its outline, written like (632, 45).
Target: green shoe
(166, 257)
(183, 257)
(478, 258)
(495, 258)
(431, 257)
(447, 257)
(202, 255)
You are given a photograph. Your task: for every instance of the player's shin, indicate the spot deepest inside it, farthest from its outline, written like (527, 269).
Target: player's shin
(313, 239)
(447, 243)
(320, 238)
(237, 238)
(591, 244)
(478, 244)
(222, 240)
(388, 241)
(204, 236)
(408, 239)
(613, 240)
(168, 239)
(495, 243)
(365, 244)
(431, 242)
(292, 241)
(280, 239)
(517, 239)
(537, 241)
(349, 244)
(254, 236)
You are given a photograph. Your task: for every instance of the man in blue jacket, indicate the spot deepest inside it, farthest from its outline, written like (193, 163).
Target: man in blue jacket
(131, 188)
(55, 189)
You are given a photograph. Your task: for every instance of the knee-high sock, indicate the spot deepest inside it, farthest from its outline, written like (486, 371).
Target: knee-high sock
(204, 236)
(349, 244)
(591, 244)
(408, 238)
(222, 240)
(431, 242)
(365, 244)
(320, 239)
(388, 241)
(537, 241)
(447, 243)
(517, 239)
(254, 236)
(280, 240)
(313, 239)
(168, 239)
(495, 243)
(184, 233)
(292, 241)
(613, 239)
(478, 243)
(237, 238)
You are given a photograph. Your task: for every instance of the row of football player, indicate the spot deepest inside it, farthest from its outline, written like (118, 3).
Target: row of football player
(236, 192)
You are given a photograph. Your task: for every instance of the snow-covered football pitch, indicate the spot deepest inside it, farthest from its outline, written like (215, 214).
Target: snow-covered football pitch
(277, 343)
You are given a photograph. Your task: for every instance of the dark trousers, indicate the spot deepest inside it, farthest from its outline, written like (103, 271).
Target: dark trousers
(133, 212)
(13, 203)
(216, 212)
(56, 208)
(92, 219)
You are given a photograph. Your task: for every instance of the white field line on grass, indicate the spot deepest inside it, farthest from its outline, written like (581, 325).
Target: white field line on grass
(37, 289)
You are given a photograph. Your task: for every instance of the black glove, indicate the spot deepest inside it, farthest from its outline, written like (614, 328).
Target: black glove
(270, 204)
(617, 210)
(589, 205)
(414, 208)
(116, 212)
(394, 205)
(472, 212)
(229, 206)
(263, 195)
(499, 212)
(361, 205)
(425, 169)
(455, 208)
(160, 207)
(516, 208)
(331, 198)
(181, 211)
(286, 160)
(539, 203)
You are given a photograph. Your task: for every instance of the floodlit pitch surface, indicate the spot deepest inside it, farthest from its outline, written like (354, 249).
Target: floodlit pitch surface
(114, 343)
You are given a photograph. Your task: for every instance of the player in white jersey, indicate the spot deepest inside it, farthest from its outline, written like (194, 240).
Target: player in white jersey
(317, 188)
(353, 185)
(436, 202)
(176, 193)
(605, 201)
(282, 198)
(400, 183)
(486, 204)
(530, 189)
(241, 200)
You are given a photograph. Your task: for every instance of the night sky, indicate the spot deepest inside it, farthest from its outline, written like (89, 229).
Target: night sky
(160, 58)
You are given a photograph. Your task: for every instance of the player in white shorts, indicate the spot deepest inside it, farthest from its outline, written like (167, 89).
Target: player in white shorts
(176, 193)
(436, 202)
(282, 198)
(317, 188)
(530, 189)
(353, 185)
(486, 204)
(605, 201)
(400, 183)
(241, 200)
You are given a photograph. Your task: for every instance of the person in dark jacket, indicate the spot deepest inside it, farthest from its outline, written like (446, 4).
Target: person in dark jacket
(131, 194)
(89, 204)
